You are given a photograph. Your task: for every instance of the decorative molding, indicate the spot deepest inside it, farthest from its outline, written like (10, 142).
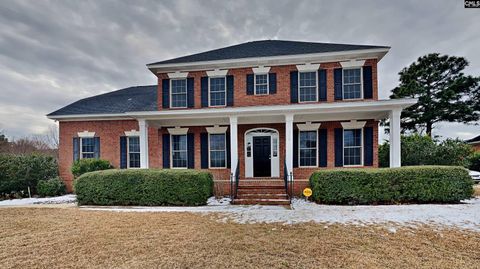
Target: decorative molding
(261, 69)
(177, 131)
(86, 134)
(178, 75)
(217, 73)
(308, 67)
(132, 133)
(353, 124)
(353, 63)
(216, 129)
(308, 126)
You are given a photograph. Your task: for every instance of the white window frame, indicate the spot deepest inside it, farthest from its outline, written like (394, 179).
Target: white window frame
(361, 148)
(225, 150)
(171, 95)
(316, 149)
(81, 147)
(209, 90)
(171, 151)
(255, 84)
(128, 152)
(361, 82)
(316, 86)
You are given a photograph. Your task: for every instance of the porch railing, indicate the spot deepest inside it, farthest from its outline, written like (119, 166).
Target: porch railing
(288, 179)
(234, 179)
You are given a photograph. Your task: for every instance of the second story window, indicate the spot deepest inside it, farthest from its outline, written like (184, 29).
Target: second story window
(352, 83)
(307, 90)
(178, 93)
(261, 84)
(217, 91)
(87, 148)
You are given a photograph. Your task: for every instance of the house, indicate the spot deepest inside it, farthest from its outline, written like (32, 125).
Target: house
(475, 142)
(258, 113)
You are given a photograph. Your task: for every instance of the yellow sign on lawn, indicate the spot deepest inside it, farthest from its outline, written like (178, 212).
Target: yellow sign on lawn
(307, 192)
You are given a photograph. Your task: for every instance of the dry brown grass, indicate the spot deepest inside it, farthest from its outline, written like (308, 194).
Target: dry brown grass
(73, 238)
(476, 190)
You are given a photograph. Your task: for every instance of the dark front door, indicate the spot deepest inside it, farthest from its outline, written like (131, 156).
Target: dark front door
(261, 156)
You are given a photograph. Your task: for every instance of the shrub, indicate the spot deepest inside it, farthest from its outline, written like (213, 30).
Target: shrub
(18, 172)
(415, 184)
(146, 187)
(83, 166)
(51, 187)
(475, 162)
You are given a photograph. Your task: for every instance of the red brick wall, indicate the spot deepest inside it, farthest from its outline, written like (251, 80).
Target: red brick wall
(476, 147)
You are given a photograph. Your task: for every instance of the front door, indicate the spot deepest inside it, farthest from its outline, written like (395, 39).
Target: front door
(261, 156)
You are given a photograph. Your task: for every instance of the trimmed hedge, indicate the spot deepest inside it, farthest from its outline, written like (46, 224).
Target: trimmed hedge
(145, 187)
(83, 166)
(51, 187)
(414, 184)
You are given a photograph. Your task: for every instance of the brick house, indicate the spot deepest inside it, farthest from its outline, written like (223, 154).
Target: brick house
(257, 113)
(475, 143)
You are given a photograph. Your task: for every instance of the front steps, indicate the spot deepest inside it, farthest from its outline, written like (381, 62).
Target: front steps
(261, 191)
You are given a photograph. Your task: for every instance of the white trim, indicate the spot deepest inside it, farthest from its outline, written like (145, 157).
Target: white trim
(143, 128)
(178, 75)
(217, 73)
(274, 161)
(308, 67)
(255, 84)
(261, 70)
(316, 150)
(352, 63)
(308, 126)
(225, 150)
(80, 145)
(353, 124)
(361, 83)
(361, 148)
(225, 89)
(177, 131)
(170, 95)
(86, 134)
(216, 130)
(128, 152)
(132, 133)
(171, 151)
(316, 87)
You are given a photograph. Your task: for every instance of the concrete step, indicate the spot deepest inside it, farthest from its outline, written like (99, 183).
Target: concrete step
(262, 196)
(261, 202)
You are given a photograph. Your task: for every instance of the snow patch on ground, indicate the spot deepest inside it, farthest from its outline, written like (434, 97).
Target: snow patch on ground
(212, 201)
(65, 199)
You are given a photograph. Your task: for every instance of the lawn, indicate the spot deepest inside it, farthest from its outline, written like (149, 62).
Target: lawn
(70, 237)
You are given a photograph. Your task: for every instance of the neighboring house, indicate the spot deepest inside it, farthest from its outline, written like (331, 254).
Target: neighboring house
(475, 142)
(262, 110)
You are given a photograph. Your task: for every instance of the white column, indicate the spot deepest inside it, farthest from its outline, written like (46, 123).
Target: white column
(143, 126)
(395, 150)
(289, 142)
(233, 143)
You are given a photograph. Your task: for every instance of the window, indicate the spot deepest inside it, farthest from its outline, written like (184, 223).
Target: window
(307, 86)
(217, 91)
(179, 151)
(352, 83)
(308, 148)
(133, 152)
(261, 84)
(178, 93)
(274, 147)
(217, 151)
(352, 147)
(87, 148)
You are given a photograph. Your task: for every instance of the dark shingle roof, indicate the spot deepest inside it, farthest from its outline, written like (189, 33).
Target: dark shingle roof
(139, 98)
(475, 139)
(266, 48)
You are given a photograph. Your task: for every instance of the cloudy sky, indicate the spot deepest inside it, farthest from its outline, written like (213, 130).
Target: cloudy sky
(55, 52)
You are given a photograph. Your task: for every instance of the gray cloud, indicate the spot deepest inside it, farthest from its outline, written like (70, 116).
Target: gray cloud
(55, 52)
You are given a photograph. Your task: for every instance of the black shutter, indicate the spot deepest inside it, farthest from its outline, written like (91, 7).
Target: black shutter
(368, 146)
(272, 83)
(338, 147)
(123, 152)
(204, 89)
(295, 148)
(227, 142)
(322, 148)
(190, 92)
(166, 150)
(191, 150)
(204, 150)
(166, 93)
(96, 147)
(367, 82)
(76, 149)
(250, 84)
(229, 90)
(338, 84)
(294, 86)
(322, 85)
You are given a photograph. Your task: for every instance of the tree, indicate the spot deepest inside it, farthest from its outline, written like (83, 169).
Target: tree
(3, 143)
(444, 92)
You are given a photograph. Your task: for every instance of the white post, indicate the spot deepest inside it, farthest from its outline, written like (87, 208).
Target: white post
(289, 142)
(395, 142)
(233, 143)
(143, 126)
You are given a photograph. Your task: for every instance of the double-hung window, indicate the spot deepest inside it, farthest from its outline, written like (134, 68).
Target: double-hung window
(307, 89)
(217, 150)
(87, 148)
(179, 151)
(218, 92)
(133, 152)
(352, 83)
(352, 147)
(178, 93)
(261, 84)
(308, 148)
